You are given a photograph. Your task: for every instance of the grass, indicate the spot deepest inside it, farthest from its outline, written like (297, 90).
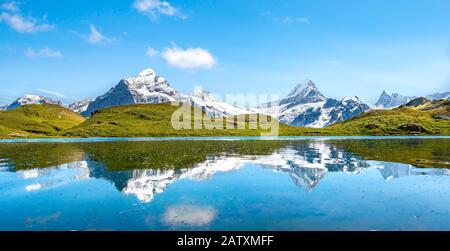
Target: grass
(399, 121)
(155, 121)
(37, 121)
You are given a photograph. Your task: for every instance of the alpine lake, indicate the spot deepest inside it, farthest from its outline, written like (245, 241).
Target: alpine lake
(244, 183)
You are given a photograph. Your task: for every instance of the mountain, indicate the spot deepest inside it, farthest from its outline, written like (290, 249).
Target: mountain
(145, 88)
(304, 106)
(149, 88)
(442, 95)
(37, 120)
(307, 106)
(303, 93)
(31, 100)
(423, 104)
(212, 105)
(80, 106)
(3, 107)
(388, 100)
(419, 116)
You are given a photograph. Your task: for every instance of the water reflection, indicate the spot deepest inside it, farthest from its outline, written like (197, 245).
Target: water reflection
(138, 169)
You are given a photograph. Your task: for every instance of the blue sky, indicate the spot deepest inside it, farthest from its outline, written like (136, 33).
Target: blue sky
(79, 49)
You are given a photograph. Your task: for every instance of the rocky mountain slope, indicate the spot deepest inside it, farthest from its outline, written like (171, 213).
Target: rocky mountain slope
(80, 106)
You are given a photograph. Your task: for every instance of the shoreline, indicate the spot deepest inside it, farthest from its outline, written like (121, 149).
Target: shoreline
(212, 138)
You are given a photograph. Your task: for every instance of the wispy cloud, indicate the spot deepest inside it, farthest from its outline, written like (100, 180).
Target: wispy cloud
(56, 94)
(11, 14)
(285, 19)
(151, 52)
(190, 58)
(155, 8)
(291, 20)
(95, 37)
(10, 6)
(43, 53)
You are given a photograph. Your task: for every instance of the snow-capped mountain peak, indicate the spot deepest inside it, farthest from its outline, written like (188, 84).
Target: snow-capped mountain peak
(147, 72)
(388, 100)
(30, 99)
(212, 104)
(80, 106)
(306, 92)
(306, 106)
(145, 88)
(443, 95)
(302, 89)
(347, 100)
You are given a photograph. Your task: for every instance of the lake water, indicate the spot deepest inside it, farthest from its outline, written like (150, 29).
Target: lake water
(364, 183)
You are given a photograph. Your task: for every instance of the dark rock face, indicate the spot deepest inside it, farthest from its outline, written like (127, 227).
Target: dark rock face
(442, 116)
(371, 126)
(331, 102)
(119, 95)
(412, 128)
(347, 109)
(310, 116)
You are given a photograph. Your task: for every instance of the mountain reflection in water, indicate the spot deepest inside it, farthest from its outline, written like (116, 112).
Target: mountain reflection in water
(146, 169)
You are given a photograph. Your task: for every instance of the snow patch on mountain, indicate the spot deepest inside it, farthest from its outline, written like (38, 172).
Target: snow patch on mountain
(30, 99)
(438, 95)
(149, 88)
(80, 106)
(387, 100)
(213, 105)
(145, 88)
(306, 106)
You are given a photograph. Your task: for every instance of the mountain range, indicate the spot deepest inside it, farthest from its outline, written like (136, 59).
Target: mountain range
(387, 100)
(304, 106)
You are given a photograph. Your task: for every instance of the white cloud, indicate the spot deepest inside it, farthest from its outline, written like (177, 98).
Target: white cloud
(95, 37)
(151, 52)
(11, 6)
(57, 94)
(190, 58)
(189, 215)
(154, 8)
(43, 53)
(12, 16)
(290, 20)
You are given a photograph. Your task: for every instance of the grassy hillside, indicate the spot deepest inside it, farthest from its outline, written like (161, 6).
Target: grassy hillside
(37, 121)
(155, 121)
(422, 118)
(419, 117)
